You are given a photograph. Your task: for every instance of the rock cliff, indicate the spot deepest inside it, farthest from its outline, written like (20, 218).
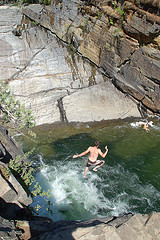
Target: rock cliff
(122, 38)
(12, 195)
(46, 74)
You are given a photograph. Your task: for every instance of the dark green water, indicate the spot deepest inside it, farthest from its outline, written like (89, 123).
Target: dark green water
(129, 181)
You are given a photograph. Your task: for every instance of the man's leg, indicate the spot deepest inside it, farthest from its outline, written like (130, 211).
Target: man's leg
(85, 172)
(100, 164)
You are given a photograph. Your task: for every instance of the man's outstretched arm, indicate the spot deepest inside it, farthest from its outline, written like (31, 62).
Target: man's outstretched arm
(103, 154)
(82, 154)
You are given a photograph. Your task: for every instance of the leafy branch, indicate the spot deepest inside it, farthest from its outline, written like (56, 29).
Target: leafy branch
(24, 168)
(12, 110)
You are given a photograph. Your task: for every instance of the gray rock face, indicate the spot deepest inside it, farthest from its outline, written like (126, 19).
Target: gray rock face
(144, 70)
(8, 230)
(9, 49)
(96, 103)
(12, 194)
(13, 197)
(95, 31)
(9, 148)
(140, 24)
(49, 78)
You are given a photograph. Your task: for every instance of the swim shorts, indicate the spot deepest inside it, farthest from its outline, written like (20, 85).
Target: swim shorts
(95, 163)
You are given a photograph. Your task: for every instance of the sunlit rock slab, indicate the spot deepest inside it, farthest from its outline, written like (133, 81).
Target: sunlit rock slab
(99, 102)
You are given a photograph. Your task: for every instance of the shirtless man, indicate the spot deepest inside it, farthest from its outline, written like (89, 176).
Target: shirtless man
(93, 155)
(145, 126)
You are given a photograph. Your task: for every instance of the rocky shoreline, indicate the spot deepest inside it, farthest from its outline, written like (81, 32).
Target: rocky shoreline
(121, 228)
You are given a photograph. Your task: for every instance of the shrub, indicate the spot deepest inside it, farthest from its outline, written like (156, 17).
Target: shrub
(23, 169)
(12, 109)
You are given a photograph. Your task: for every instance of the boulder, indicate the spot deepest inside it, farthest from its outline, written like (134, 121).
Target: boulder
(100, 104)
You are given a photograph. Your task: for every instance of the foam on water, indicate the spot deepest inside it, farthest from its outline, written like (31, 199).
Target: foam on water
(137, 124)
(70, 190)
(110, 191)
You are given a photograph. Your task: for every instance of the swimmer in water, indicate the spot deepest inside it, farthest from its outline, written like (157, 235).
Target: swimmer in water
(145, 126)
(93, 155)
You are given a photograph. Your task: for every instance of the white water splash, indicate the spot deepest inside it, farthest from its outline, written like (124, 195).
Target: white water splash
(138, 124)
(111, 191)
(150, 123)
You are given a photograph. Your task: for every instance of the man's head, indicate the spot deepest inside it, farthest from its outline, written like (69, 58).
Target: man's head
(96, 143)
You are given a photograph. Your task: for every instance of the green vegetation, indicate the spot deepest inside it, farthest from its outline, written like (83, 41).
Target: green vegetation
(19, 2)
(86, 24)
(118, 32)
(45, 2)
(119, 11)
(4, 171)
(35, 23)
(23, 170)
(12, 110)
(114, 4)
(108, 46)
(98, 13)
(111, 21)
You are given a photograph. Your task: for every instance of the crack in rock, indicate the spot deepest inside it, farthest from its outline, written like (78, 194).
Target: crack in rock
(63, 116)
(26, 65)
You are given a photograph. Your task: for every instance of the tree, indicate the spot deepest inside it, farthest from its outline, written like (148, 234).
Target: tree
(12, 110)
